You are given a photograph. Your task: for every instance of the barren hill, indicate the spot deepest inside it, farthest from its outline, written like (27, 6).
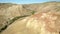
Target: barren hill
(47, 6)
(15, 11)
(8, 11)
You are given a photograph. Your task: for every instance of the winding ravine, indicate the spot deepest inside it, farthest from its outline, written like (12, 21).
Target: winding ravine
(11, 21)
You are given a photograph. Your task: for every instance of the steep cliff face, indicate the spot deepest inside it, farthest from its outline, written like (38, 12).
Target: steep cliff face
(46, 19)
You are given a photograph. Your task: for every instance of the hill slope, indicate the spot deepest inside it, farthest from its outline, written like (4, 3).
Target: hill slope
(8, 11)
(21, 10)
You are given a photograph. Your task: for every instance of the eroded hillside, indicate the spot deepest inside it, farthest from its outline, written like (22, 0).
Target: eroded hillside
(12, 12)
